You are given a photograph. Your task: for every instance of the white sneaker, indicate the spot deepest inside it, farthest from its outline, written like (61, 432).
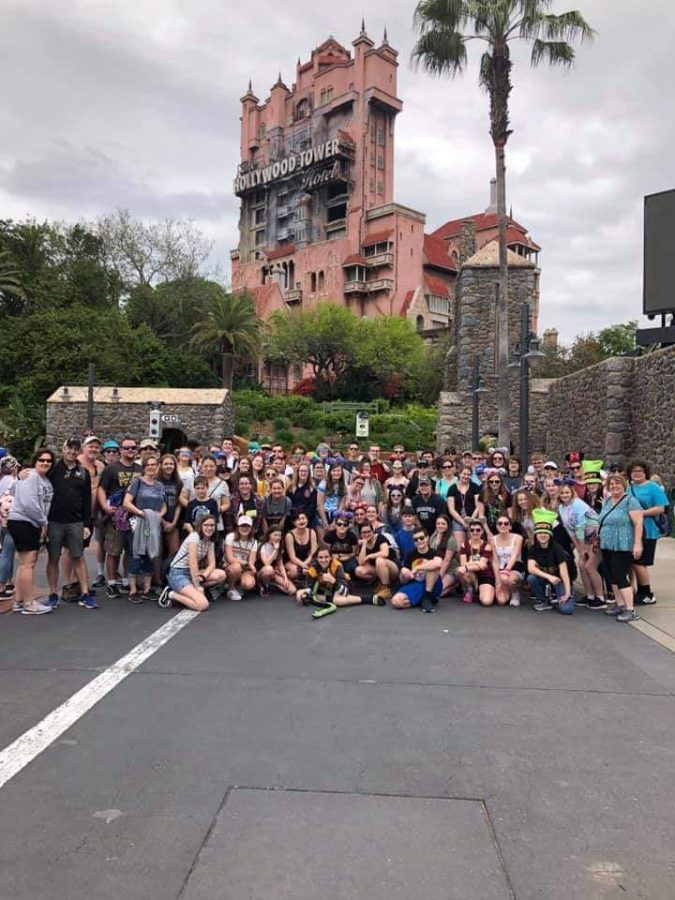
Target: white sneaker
(37, 609)
(233, 594)
(515, 599)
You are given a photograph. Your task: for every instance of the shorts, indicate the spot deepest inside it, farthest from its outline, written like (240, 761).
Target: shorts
(619, 563)
(457, 527)
(177, 579)
(349, 565)
(26, 537)
(141, 565)
(114, 541)
(65, 534)
(414, 591)
(648, 552)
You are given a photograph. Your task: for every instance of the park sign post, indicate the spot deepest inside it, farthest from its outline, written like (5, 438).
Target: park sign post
(362, 424)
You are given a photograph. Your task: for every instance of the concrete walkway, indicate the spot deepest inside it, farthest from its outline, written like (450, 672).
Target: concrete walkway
(658, 621)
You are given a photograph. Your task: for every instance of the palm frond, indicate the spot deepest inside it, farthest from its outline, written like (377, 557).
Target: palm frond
(555, 53)
(10, 276)
(568, 26)
(451, 14)
(440, 52)
(231, 322)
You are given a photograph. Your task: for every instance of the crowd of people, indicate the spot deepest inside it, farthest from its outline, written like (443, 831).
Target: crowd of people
(327, 528)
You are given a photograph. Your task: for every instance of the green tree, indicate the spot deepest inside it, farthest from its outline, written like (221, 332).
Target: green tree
(10, 279)
(172, 308)
(617, 339)
(445, 27)
(229, 327)
(324, 337)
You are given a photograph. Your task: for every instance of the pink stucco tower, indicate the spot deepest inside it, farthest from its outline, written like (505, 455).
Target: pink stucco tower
(316, 183)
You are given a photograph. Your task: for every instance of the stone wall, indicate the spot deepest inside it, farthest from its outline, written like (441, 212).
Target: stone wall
(207, 423)
(652, 406)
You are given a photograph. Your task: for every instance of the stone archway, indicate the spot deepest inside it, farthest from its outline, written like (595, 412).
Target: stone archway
(172, 439)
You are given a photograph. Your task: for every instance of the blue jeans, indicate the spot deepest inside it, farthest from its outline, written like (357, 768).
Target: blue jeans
(538, 590)
(6, 558)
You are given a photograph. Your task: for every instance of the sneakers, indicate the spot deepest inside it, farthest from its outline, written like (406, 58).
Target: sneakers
(615, 610)
(37, 609)
(7, 592)
(112, 591)
(264, 590)
(468, 596)
(542, 606)
(135, 598)
(164, 599)
(124, 586)
(596, 603)
(53, 601)
(627, 615)
(18, 606)
(98, 582)
(582, 601)
(234, 594)
(646, 600)
(378, 601)
(88, 601)
(427, 604)
(515, 599)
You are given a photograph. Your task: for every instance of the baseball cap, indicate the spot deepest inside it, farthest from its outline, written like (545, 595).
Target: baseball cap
(3, 452)
(550, 465)
(245, 520)
(148, 442)
(111, 445)
(91, 439)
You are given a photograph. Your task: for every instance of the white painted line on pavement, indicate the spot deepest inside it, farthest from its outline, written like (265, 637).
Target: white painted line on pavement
(17, 755)
(655, 633)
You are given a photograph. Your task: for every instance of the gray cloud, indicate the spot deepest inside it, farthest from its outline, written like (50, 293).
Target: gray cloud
(121, 103)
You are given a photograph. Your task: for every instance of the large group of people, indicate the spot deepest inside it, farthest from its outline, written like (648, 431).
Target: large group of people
(327, 528)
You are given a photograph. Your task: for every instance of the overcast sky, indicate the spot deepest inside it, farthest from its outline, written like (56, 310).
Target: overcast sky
(135, 103)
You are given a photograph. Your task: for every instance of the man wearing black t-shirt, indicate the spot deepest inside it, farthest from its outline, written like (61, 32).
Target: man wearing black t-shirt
(548, 573)
(428, 506)
(376, 560)
(115, 480)
(343, 544)
(420, 582)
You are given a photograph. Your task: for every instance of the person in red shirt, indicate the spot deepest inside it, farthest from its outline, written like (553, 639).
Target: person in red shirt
(378, 468)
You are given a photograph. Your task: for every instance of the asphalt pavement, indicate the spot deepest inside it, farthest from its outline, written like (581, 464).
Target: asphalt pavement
(261, 755)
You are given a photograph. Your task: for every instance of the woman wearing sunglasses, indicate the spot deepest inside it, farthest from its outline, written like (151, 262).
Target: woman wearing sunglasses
(496, 499)
(477, 568)
(508, 548)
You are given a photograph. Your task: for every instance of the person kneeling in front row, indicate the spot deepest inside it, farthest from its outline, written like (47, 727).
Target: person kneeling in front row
(421, 584)
(193, 569)
(548, 572)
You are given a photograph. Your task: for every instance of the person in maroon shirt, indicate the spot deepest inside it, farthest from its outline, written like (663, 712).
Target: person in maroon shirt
(574, 458)
(378, 468)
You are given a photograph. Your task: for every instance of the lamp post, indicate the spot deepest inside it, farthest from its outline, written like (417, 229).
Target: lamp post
(477, 389)
(525, 353)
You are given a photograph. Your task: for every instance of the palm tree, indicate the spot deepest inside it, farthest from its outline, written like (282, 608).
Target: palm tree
(9, 276)
(229, 327)
(445, 27)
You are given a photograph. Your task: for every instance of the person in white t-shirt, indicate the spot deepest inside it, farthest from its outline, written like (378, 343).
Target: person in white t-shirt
(241, 550)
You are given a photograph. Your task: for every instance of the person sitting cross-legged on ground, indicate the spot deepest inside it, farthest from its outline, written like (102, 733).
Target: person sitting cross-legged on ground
(376, 560)
(421, 583)
(271, 571)
(477, 566)
(327, 586)
(547, 566)
(241, 550)
(193, 568)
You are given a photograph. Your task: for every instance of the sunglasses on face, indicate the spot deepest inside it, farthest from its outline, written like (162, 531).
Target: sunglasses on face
(494, 481)
(505, 523)
(475, 530)
(129, 447)
(45, 459)
(420, 538)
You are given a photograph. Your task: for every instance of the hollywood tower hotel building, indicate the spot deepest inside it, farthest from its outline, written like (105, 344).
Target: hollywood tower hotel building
(316, 183)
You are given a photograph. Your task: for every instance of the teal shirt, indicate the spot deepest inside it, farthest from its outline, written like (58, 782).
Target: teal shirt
(616, 526)
(649, 494)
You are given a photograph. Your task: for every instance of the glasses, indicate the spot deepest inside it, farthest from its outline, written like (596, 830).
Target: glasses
(45, 459)
(494, 481)
(132, 447)
(341, 524)
(504, 523)
(575, 468)
(420, 538)
(475, 530)
(448, 466)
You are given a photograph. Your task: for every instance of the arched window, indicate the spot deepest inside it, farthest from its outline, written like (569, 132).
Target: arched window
(419, 323)
(321, 280)
(312, 283)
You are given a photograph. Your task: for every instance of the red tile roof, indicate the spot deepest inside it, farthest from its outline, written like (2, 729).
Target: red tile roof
(513, 236)
(481, 221)
(435, 285)
(345, 136)
(355, 259)
(436, 253)
(377, 238)
(280, 251)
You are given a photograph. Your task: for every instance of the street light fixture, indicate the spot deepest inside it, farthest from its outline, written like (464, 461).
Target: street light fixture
(526, 353)
(477, 388)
